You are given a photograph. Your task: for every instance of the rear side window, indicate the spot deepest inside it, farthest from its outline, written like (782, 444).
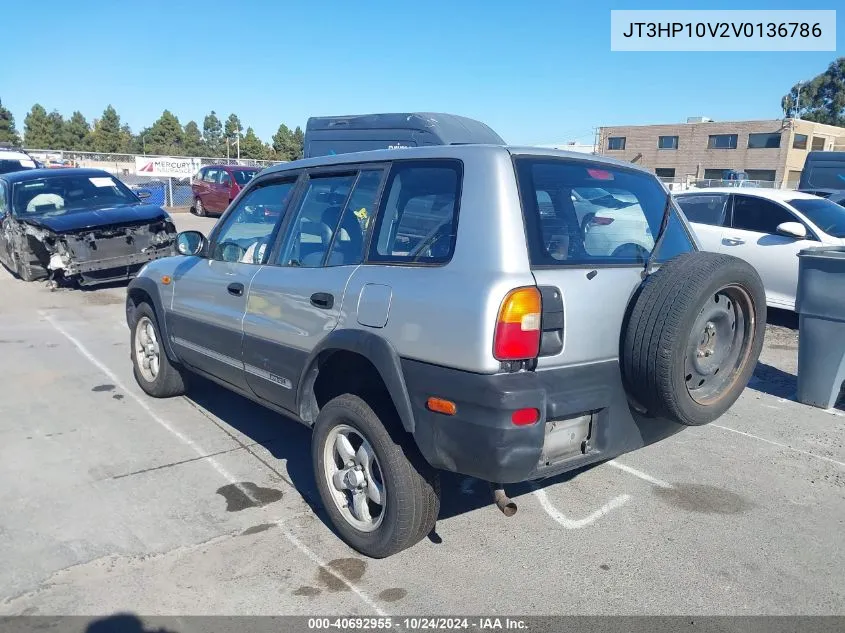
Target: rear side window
(703, 209)
(759, 215)
(582, 213)
(419, 217)
(832, 177)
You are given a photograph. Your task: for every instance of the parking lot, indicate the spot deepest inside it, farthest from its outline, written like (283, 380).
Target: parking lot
(206, 504)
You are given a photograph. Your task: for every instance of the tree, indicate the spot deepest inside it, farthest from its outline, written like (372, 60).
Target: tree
(166, 136)
(36, 128)
(822, 99)
(252, 146)
(8, 132)
(299, 139)
(192, 140)
(212, 132)
(285, 143)
(77, 132)
(56, 138)
(108, 136)
(233, 130)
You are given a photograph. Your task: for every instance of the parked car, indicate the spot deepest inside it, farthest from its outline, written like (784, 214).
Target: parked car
(15, 160)
(767, 228)
(78, 225)
(409, 307)
(823, 174)
(215, 186)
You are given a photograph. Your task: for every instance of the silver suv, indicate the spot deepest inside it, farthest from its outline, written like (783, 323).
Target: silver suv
(506, 313)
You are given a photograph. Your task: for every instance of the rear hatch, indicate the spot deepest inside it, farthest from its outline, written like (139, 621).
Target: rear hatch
(590, 227)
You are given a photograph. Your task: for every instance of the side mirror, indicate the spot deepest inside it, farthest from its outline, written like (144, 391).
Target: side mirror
(792, 229)
(143, 194)
(191, 243)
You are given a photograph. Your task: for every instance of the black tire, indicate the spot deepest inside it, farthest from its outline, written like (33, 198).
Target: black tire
(199, 208)
(675, 326)
(411, 486)
(170, 379)
(23, 269)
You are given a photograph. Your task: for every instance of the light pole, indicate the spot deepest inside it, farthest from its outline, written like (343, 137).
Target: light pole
(798, 101)
(144, 143)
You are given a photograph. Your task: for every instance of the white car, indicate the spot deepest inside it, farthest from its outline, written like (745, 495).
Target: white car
(765, 227)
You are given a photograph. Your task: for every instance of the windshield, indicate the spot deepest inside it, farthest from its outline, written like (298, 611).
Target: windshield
(827, 215)
(243, 176)
(832, 177)
(63, 194)
(567, 223)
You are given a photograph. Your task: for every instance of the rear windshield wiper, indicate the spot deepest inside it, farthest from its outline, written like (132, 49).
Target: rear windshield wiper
(664, 224)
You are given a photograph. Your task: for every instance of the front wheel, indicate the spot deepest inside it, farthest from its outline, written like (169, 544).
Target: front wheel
(154, 372)
(381, 498)
(199, 208)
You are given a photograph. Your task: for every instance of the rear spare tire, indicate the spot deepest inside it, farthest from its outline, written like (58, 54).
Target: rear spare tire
(692, 337)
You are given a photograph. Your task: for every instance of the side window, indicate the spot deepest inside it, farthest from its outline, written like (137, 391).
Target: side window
(200, 174)
(211, 175)
(310, 233)
(348, 239)
(704, 209)
(3, 206)
(247, 231)
(759, 215)
(225, 178)
(419, 219)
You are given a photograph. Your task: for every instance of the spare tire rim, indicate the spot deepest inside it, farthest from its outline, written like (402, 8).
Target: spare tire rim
(720, 344)
(354, 477)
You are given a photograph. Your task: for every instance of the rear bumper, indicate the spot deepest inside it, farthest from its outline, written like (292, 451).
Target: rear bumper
(480, 440)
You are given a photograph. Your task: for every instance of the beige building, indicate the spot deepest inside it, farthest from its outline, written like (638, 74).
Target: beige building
(772, 150)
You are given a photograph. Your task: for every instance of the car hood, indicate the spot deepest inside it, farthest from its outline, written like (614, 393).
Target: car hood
(80, 220)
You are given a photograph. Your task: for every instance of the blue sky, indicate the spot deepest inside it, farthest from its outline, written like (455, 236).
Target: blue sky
(537, 71)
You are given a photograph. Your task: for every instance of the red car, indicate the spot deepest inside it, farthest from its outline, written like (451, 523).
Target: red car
(215, 186)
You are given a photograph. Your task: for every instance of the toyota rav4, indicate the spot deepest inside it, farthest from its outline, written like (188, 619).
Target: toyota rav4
(452, 308)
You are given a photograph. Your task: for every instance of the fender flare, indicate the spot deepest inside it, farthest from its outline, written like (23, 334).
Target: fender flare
(147, 287)
(375, 349)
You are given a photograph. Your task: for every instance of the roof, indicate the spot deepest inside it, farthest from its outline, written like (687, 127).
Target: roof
(225, 166)
(445, 151)
(34, 174)
(12, 152)
(450, 128)
(759, 192)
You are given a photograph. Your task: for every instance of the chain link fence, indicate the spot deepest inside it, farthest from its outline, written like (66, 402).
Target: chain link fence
(169, 192)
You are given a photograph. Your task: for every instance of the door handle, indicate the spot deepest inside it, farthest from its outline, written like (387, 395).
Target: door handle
(322, 300)
(733, 241)
(236, 289)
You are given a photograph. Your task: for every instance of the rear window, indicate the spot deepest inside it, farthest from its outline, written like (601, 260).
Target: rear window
(9, 165)
(419, 220)
(577, 212)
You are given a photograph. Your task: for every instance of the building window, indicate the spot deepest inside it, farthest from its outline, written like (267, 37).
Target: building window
(764, 140)
(714, 174)
(799, 142)
(761, 174)
(667, 142)
(665, 172)
(616, 142)
(818, 143)
(722, 141)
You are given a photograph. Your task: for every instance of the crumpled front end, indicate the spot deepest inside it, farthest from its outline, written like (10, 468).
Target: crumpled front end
(101, 254)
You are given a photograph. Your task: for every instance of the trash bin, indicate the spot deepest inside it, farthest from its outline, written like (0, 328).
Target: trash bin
(820, 304)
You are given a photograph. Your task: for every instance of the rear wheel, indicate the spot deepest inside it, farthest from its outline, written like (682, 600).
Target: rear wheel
(380, 498)
(199, 208)
(693, 337)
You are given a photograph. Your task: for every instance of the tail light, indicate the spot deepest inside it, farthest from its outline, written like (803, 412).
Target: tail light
(600, 221)
(518, 326)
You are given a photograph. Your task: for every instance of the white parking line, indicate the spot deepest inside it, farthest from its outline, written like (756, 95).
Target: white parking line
(576, 524)
(199, 450)
(638, 473)
(791, 448)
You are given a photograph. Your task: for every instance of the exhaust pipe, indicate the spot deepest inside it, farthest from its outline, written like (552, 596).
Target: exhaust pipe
(502, 501)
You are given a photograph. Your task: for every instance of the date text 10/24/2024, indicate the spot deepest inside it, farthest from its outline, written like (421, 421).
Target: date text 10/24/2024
(416, 624)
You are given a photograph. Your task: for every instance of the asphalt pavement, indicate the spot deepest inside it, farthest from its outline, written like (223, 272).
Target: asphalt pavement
(206, 504)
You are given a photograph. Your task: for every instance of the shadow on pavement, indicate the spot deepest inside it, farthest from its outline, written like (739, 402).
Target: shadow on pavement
(123, 623)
